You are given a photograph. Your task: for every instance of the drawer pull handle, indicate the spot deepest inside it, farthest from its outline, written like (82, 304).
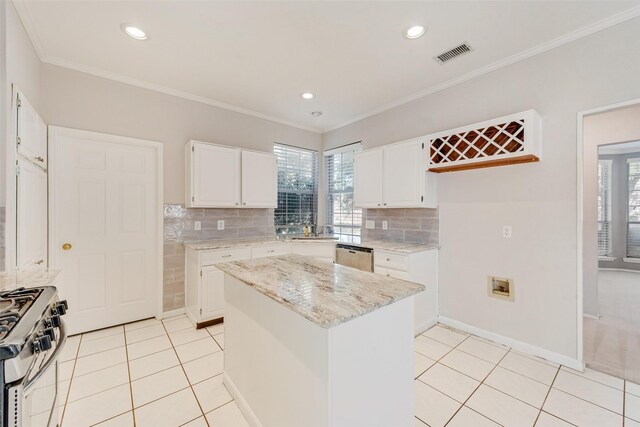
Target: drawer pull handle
(271, 251)
(388, 275)
(388, 259)
(226, 256)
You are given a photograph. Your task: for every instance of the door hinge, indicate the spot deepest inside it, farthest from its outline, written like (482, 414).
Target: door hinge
(422, 198)
(201, 312)
(423, 145)
(200, 273)
(18, 102)
(193, 150)
(17, 170)
(193, 198)
(18, 141)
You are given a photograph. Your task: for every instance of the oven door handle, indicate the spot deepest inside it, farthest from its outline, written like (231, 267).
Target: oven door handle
(51, 360)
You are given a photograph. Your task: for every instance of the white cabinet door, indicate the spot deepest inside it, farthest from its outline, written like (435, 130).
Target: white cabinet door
(31, 211)
(215, 176)
(32, 133)
(212, 293)
(259, 180)
(368, 179)
(403, 175)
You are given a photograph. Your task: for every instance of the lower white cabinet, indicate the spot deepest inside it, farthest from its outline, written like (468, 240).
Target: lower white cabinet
(420, 267)
(212, 293)
(325, 251)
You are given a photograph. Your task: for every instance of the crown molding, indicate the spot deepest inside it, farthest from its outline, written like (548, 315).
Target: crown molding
(585, 31)
(536, 50)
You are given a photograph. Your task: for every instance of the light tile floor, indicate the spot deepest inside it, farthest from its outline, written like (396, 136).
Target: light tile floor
(155, 373)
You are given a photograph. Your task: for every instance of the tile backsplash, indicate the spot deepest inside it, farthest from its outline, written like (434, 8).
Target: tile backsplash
(404, 225)
(179, 227)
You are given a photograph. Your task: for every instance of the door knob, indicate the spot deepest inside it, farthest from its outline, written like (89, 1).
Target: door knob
(66, 246)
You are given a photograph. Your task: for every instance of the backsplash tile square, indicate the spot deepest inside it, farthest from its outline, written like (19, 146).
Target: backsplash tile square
(179, 228)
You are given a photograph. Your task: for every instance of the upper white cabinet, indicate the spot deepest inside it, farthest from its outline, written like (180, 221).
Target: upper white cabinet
(394, 176)
(222, 177)
(367, 185)
(259, 180)
(31, 218)
(503, 141)
(31, 132)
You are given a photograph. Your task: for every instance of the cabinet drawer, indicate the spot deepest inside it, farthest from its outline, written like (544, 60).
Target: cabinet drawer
(390, 260)
(224, 255)
(389, 272)
(270, 250)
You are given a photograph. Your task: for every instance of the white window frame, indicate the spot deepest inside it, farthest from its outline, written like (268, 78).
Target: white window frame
(347, 229)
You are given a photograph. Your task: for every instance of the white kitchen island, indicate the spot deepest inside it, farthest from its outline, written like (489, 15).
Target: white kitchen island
(310, 343)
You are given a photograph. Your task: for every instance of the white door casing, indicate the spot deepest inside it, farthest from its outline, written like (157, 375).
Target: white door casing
(106, 202)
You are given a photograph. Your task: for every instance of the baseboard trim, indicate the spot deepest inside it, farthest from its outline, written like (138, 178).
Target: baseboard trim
(515, 344)
(242, 404)
(172, 313)
(421, 328)
(591, 316)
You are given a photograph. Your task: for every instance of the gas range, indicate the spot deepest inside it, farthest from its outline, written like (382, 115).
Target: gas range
(31, 338)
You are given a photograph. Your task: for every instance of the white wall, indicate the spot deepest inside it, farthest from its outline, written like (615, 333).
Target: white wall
(82, 101)
(622, 125)
(537, 200)
(21, 67)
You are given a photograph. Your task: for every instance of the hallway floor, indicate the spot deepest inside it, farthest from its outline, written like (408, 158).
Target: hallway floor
(612, 342)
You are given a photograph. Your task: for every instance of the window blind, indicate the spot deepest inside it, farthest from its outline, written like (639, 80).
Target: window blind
(297, 189)
(343, 219)
(604, 207)
(633, 208)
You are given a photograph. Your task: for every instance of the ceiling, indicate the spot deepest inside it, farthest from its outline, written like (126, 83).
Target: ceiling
(259, 56)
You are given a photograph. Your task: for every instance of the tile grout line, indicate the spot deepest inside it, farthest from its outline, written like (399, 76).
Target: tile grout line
(126, 354)
(592, 380)
(547, 396)
(66, 399)
(195, 396)
(476, 389)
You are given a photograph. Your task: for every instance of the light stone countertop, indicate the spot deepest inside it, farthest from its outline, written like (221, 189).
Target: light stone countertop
(326, 294)
(403, 247)
(28, 278)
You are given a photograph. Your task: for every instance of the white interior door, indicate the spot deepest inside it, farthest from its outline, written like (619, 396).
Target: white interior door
(105, 213)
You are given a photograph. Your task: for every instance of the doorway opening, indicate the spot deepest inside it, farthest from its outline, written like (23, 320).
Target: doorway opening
(611, 241)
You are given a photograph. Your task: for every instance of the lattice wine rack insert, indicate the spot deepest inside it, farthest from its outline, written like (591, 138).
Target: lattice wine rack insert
(491, 143)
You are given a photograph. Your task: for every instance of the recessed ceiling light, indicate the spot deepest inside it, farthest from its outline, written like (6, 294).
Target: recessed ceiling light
(307, 95)
(414, 32)
(134, 32)
(316, 113)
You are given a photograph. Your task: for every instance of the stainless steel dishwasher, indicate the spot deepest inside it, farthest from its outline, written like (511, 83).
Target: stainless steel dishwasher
(354, 256)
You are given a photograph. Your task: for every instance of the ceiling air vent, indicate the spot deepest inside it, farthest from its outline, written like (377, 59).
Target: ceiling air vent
(453, 53)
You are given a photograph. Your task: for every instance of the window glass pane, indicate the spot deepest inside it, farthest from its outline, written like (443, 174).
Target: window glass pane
(604, 207)
(297, 189)
(633, 209)
(343, 219)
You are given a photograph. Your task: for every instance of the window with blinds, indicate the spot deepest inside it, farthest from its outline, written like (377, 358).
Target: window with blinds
(604, 207)
(633, 208)
(297, 189)
(343, 219)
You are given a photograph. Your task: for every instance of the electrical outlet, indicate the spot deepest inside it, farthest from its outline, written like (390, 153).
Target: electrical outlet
(197, 225)
(385, 225)
(221, 224)
(370, 224)
(506, 231)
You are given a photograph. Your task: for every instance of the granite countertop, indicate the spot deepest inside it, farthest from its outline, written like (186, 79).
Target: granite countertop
(28, 278)
(222, 244)
(405, 247)
(326, 294)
